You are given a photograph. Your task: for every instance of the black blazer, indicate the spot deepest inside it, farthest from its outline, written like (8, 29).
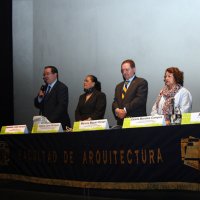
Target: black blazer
(94, 107)
(134, 101)
(54, 105)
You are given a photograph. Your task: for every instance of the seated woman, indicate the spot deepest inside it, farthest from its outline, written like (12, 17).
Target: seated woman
(92, 104)
(172, 93)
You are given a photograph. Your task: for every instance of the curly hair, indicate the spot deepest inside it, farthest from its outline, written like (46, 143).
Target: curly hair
(178, 75)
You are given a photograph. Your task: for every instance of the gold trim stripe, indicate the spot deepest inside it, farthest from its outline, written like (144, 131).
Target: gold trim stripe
(105, 185)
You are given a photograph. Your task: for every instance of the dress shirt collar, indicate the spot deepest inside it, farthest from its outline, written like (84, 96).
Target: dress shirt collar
(130, 80)
(52, 84)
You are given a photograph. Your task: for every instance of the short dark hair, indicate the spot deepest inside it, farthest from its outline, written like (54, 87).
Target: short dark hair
(131, 62)
(178, 75)
(53, 69)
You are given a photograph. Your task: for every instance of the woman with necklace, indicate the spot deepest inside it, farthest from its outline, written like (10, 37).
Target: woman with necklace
(172, 93)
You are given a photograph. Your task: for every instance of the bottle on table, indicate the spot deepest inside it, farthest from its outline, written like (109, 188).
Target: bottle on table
(176, 115)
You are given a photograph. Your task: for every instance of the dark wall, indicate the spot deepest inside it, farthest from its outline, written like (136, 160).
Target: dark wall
(6, 69)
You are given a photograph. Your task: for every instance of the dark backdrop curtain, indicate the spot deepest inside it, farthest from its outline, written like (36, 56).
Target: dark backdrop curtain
(6, 69)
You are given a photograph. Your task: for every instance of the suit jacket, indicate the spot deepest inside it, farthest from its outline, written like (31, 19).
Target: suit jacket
(94, 107)
(54, 105)
(134, 101)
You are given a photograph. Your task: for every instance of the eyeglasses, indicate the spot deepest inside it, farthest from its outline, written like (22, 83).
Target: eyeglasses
(47, 74)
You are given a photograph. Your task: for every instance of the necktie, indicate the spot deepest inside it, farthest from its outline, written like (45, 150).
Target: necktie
(48, 90)
(124, 89)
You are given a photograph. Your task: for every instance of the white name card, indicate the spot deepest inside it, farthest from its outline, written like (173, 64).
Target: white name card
(15, 129)
(47, 128)
(191, 118)
(147, 121)
(91, 125)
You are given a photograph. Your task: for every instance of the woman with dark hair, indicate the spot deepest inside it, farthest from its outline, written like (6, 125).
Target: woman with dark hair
(92, 104)
(172, 93)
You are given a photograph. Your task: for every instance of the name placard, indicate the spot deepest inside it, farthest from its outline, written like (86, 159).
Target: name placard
(191, 118)
(15, 129)
(147, 121)
(47, 128)
(91, 125)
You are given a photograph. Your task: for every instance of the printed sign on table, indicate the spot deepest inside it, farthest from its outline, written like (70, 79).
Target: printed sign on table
(91, 125)
(147, 121)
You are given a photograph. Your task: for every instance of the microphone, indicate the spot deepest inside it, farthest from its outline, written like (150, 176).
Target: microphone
(42, 88)
(42, 91)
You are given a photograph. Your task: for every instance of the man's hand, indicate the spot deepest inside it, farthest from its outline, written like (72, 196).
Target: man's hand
(120, 113)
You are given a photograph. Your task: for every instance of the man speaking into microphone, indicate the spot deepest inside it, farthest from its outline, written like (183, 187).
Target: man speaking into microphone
(52, 99)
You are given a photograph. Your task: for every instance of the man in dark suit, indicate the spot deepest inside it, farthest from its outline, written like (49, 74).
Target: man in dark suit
(130, 95)
(52, 99)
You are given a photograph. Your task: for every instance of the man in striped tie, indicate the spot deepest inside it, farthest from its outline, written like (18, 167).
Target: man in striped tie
(125, 88)
(130, 95)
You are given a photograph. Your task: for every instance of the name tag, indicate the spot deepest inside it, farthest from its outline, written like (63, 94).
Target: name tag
(15, 129)
(91, 125)
(147, 121)
(191, 118)
(47, 128)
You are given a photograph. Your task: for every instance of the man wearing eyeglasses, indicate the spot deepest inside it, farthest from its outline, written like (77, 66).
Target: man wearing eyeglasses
(52, 99)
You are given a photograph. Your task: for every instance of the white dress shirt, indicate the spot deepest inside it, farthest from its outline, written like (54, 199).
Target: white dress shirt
(51, 86)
